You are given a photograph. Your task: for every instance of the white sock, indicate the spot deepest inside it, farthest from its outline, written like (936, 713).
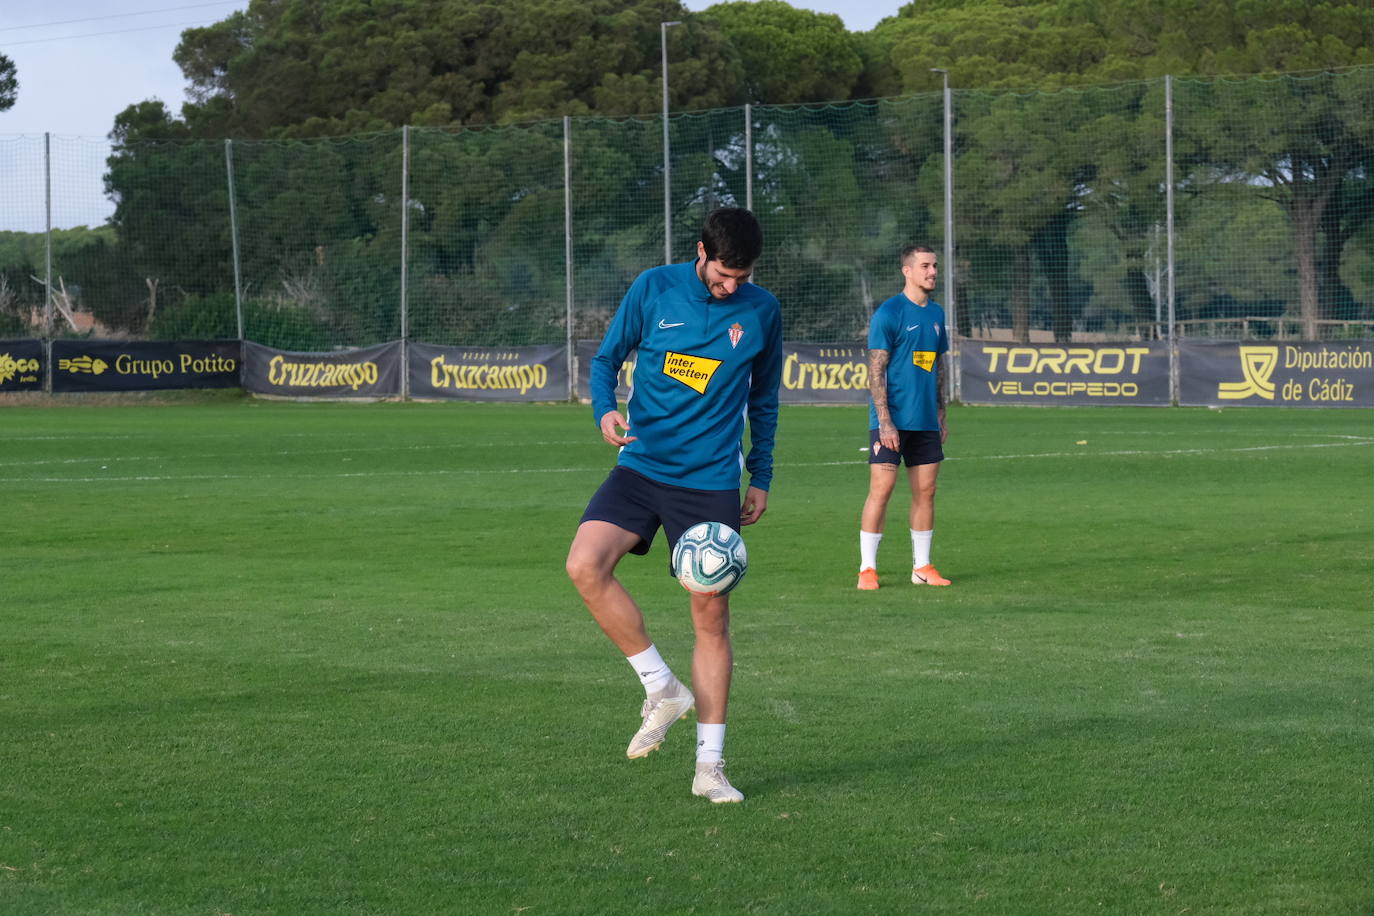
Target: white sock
(653, 671)
(710, 742)
(868, 549)
(920, 547)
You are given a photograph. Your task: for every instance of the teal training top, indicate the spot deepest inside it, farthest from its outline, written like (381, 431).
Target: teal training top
(914, 336)
(702, 366)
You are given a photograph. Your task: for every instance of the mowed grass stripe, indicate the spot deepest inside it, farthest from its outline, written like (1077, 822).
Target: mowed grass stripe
(299, 691)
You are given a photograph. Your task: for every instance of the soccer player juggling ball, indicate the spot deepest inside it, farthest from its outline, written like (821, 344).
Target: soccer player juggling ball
(907, 343)
(709, 348)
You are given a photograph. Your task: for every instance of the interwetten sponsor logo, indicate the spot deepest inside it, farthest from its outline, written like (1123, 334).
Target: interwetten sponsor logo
(923, 359)
(695, 372)
(320, 374)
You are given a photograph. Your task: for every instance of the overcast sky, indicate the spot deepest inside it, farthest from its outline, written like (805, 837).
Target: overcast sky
(81, 62)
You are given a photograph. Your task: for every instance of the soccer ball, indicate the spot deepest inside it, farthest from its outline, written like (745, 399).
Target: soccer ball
(710, 558)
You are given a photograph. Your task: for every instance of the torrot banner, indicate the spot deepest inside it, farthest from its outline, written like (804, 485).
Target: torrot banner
(811, 373)
(1084, 374)
(127, 365)
(1276, 375)
(366, 372)
(21, 365)
(489, 373)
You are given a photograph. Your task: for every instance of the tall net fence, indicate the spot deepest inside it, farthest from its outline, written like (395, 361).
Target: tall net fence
(1064, 227)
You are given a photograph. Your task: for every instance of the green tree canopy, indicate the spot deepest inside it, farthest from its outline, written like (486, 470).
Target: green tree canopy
(310, 68)
(790, 55)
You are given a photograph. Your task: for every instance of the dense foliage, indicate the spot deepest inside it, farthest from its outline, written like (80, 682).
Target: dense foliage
(1059, 161)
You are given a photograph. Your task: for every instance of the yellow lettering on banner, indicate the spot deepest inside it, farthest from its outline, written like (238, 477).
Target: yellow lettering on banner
(693, 371)
(10, 367)
(486, 376)
(1063, 361)
(798, 375)
(320, 375)
(923, 359)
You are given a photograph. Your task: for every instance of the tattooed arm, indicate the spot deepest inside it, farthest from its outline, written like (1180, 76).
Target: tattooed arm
(877, 389)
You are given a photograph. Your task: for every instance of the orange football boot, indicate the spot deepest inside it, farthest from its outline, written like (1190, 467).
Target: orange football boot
(928, 575)
(868, 579)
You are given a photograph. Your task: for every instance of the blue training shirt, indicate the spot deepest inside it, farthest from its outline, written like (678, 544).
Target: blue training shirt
(702, 365)
(914, 336)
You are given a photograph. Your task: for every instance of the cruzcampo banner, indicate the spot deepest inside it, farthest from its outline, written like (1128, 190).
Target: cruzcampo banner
(824, 374)
(1230, 374)
(1112, 375)
(21, 365)
(366, 372)
(129, 365)
(489, 373)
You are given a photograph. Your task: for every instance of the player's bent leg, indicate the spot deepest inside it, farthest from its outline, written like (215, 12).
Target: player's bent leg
(658, 715)
(592, 558)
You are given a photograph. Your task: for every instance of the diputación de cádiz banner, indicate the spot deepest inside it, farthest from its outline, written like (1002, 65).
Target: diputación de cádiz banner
(1075, 374)
(21, 365)
(365, 372)
(811, 373)
(1231, 374)
(128, 365)
(537, 373)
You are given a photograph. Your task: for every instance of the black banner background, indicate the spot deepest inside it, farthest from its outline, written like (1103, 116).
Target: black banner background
(1100, 375)
(129, 365)
(489, 373)
(367, 372)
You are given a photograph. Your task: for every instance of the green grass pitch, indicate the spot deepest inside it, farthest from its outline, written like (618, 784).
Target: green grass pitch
(282, 658)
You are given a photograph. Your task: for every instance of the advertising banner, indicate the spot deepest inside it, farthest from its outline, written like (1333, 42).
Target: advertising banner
(366, 372)
(489, 373)
(584, 350)
(21, 365)
(1113, 375)
(130, 365)
(824, 374)
(1230, 374)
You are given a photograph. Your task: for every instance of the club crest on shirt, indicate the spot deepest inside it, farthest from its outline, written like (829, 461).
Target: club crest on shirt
(736, 334)
(693, 371)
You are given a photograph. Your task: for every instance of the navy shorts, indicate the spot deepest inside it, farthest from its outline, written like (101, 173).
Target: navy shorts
(914, 446)
(632, 501)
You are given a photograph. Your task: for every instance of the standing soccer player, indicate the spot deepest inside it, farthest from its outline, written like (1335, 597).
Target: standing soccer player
(907, 343)
(710, 349)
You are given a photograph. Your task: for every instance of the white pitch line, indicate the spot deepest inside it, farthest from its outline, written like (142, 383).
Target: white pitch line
(1357, 441)
(285, 453)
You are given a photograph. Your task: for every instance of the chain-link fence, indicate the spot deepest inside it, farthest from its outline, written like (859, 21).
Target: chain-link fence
(1236, 209)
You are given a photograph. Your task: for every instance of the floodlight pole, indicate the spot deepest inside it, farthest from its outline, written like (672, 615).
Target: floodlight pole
(667, 159)
(950, 323)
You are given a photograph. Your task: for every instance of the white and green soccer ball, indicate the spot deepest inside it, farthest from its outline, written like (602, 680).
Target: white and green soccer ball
(710, 558)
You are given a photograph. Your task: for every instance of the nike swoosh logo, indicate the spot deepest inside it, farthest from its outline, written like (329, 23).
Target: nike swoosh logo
(913, 327)
(665, 326)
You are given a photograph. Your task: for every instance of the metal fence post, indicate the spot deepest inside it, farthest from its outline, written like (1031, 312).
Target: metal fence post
(748, 156)
(568, 253)
(405, 262)
(1169, 231)
(234, 234)
(47, 260)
